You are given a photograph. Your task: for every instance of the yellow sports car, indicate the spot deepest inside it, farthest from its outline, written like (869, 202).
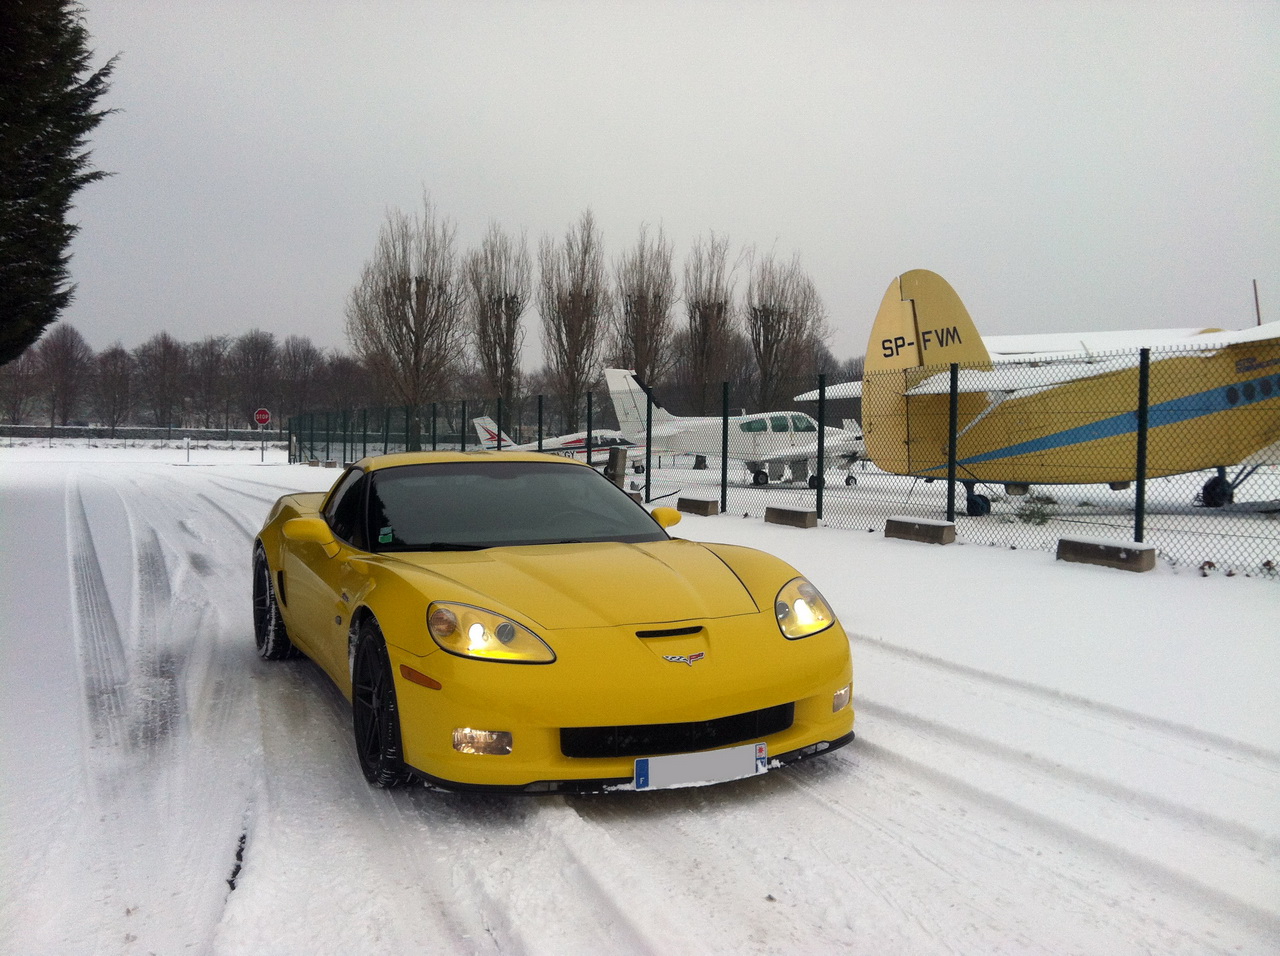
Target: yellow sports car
(514, 621)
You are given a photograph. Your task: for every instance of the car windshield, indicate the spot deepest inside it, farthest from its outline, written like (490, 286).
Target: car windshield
(458, 506)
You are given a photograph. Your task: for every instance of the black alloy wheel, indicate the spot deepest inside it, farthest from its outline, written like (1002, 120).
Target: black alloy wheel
(375, 718)
(268, 626)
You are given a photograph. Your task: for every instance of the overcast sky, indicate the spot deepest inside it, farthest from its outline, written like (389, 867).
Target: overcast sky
(1066, 166)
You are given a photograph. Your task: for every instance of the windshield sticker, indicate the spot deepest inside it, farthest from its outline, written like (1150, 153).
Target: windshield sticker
(384, 536)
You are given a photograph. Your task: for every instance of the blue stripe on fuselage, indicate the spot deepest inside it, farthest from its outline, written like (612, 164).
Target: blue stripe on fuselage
(1185, 408)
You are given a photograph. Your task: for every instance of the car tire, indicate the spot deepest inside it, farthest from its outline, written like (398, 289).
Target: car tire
(375, 717)
(269, 633)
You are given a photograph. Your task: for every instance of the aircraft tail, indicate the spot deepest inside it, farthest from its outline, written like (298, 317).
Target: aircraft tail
(923, 323)
(922, 327)
(630, 403)
(487, 431)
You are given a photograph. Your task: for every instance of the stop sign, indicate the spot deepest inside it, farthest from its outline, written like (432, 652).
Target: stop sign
(262, 417)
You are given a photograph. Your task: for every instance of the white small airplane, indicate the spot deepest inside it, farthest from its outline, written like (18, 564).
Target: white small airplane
(774, 446)
(493, 439)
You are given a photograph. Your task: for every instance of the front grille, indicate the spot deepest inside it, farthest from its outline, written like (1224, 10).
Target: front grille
(648, 740)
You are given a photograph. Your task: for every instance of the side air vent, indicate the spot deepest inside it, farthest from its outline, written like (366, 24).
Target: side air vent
(671, 632)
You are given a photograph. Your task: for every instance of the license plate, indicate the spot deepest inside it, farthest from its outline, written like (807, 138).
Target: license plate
(710, 766)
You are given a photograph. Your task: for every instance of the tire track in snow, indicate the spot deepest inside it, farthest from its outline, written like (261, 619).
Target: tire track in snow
(103, 668)
(1245, 837)
(1191, 734)
(1262, 923)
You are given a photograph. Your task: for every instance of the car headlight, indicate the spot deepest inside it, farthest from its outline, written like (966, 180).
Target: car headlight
(801, 610)
(473, 632)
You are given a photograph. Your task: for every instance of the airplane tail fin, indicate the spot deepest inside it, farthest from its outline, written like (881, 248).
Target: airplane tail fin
(630, 402)
(923, 323)
(922, 327)
(487, 432)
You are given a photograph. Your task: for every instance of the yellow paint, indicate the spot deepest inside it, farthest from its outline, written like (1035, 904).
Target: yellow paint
(586, 601)
(907, 434)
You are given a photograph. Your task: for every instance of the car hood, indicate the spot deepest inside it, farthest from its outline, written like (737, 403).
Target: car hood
(597, 585)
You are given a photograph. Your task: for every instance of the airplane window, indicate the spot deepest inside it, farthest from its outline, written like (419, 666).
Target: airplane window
(779, 423)
(753, 425)
(803, 423)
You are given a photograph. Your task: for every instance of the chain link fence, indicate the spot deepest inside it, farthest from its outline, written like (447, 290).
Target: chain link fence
(1179, 449)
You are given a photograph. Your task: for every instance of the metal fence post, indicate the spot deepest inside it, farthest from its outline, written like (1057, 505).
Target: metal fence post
(327, 451)
(588, 426)
(648, 447)
(386, 429)
(952, 426)
(1140, 493)
(724, 447)
(539, 423)
(822, 442)
(364, 433)
(498, 418)
(462, 425)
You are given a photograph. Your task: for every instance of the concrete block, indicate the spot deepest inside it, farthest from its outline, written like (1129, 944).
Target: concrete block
(927, 530)
(1125, 555)
(794, 517)
(697, 506)
(331, 463)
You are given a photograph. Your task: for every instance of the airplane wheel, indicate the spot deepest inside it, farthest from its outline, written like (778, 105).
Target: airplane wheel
(760, 478)
(638, 469)
(813, 481)
(850, 480)
(1217, 491)
(977, 505)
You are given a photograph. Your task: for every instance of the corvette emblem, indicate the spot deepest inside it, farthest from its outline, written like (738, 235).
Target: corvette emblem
(682, 659)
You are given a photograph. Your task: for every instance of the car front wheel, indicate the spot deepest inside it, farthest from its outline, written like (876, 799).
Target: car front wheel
(268, 626)
(375, 718)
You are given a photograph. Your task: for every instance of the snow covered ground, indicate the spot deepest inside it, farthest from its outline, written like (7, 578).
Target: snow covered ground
(1051, 758)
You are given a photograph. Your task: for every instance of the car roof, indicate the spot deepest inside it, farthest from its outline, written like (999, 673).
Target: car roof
(479, 457)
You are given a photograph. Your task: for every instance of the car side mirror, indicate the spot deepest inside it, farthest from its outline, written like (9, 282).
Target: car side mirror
(666, 517)
(311, 531)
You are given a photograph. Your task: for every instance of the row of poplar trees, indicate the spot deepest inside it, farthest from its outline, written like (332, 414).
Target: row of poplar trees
(420, 304)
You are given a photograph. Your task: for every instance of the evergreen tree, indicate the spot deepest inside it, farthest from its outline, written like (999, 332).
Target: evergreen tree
(46, 114)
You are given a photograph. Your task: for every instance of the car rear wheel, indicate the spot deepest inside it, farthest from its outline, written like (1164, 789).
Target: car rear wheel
(375, 718)
(268, 626)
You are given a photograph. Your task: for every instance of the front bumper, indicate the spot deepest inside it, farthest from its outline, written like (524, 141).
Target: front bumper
(598, 682)
(606, 784)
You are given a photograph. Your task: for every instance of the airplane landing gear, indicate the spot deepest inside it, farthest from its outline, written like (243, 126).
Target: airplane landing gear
(1217, 491)
(850, 480)
(813, 481)
(976, 506)
(760, 478)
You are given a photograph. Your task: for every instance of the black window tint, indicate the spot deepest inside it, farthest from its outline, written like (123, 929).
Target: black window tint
(345, 510)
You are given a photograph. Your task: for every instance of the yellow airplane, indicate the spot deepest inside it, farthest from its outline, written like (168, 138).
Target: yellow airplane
(1060, 409)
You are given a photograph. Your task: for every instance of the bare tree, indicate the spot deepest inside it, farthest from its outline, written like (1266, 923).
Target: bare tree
(210, 385)
(113, 387)
(499, 284)
(785, 321)
(646, 293)
(300, 364)
(65, 364)
(704, 361)
(160, 374)
(404, 316)
(254, 366)
(19, 382)
(574, 302)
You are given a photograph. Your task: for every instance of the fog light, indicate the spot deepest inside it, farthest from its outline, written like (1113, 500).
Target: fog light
(469, 741)
(839, 700)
